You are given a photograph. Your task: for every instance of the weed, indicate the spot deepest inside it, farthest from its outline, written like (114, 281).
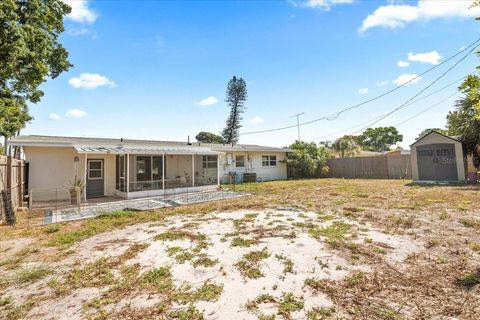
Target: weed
(190, 313)
(95, 274)
(241, 242)
(171, 251)
(321, 313)
(248, 266)
(5, 301)
(287, 263)
(315, 284)
(57, 286)
(32, 275)
(475, 246)
(335, 232)
(51, 228)
(471, 223)
(208, 292)
(160, 278)
(288, 304)
(469, 279)
(204, 261)
(173, 235)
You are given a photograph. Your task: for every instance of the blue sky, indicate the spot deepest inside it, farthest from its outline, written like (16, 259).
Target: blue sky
(159, 69)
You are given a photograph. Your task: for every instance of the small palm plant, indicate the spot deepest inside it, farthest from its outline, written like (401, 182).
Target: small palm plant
(76, 190)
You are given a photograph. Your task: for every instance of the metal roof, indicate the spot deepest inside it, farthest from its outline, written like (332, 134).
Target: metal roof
(117, 144)
(144, 150)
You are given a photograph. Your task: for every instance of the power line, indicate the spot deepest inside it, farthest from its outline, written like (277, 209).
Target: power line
(427, 109)
(403, 105)
(409, 104)
(337, 114)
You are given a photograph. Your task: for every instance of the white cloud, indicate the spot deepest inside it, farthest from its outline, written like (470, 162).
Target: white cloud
(318, 4)
(398, 15)
(90, 81)
(382, 83)
(75, 113)
(81, 12)
(256, 120)
(403, 64)
(432, 57)
(363, 90)
(406, 77)
(54, 116)
(209, 101)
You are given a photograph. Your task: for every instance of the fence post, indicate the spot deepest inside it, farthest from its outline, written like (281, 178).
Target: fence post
(9, 172)
(20, 185)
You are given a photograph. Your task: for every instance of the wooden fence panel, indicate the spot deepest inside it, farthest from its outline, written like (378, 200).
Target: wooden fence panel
(377, 167)
(11, 179)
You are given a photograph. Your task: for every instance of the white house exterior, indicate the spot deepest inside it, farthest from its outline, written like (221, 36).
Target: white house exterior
(140, 168)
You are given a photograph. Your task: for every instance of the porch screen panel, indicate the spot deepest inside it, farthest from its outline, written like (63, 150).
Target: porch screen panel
(144, 168)
(157, 168)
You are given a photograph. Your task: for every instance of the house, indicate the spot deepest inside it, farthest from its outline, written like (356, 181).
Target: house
(437, 158)
(140, 168)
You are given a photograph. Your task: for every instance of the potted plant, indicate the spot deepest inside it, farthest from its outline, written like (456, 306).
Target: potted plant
(76, 190)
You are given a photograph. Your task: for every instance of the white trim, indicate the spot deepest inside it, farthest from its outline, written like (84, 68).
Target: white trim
(89, 170)
(85, 181)
(193, 170)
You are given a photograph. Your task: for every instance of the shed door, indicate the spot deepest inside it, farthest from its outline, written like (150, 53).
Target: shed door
(425, 162)
(95, 178)
(445, 162)
(437, 162)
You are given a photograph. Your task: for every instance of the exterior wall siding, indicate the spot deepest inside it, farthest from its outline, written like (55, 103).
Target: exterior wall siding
(253, 163)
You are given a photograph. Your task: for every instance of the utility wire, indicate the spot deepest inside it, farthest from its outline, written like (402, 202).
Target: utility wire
(403, 105)
(337, 114)
(427, 109)
(413, 102)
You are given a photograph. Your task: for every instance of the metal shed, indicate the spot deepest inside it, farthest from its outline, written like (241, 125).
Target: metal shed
(438, 158)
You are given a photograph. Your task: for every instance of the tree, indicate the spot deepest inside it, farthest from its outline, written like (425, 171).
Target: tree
(29, 53)
(307, 160)
(236, 97)
(379, 139)
(427, 131)
(346, 146)
(465, 120)
(208, 137)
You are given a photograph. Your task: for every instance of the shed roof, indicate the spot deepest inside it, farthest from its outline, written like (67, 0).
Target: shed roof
(454, 138)
(103, 145)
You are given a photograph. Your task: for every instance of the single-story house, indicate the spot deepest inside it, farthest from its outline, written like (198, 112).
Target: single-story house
(140, 168)
(437, 158)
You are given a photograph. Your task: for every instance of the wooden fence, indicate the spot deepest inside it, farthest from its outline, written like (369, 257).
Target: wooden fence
(377, 167)
(12, 181)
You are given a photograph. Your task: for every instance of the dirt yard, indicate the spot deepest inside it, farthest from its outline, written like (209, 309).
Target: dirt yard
(314, 249)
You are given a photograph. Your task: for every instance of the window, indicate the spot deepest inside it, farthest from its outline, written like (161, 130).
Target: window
(240, 161)
(209, 161)
(149, 168)
(95, 169)
(444, 152)
(269, 161)
(425, 153)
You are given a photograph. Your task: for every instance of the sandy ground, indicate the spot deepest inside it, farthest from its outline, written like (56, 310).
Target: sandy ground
(282, 232)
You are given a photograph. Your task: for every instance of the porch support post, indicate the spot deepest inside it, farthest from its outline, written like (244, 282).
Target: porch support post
(127, 178)
(193, 170)
(218, 170)
(85, 179)
(163, 171)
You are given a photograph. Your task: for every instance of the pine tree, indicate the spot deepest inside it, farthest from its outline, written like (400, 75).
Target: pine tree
(235, 98)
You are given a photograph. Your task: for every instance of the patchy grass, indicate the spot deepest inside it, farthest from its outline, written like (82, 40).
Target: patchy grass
(173, 235)
(31, 275)
(249, 265)
(289, 303)
(335, 232)
(242, 242)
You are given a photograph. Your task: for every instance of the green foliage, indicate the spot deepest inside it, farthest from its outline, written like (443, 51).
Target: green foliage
(29, 53)
(465, 120)
(236, 97)
(208, 137)
(427, 131)
(379, 139)
(346, 146)
(288, 304)
(32, 275)
(307, 160)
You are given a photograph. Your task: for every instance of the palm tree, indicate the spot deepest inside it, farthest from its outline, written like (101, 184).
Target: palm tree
(465, 120)
(346, 146)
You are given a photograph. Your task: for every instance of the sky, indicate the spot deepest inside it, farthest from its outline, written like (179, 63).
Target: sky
(159, 69)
